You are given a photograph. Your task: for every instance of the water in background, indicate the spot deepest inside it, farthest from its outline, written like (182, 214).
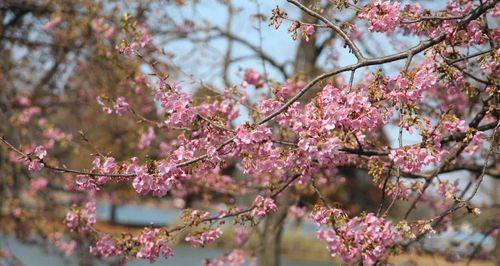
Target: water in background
(142, 215)
(31, 255)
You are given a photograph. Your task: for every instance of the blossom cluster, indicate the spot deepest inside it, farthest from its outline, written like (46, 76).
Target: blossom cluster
(177, 106)
(38, 184)
(130, 48)
(262, 206)
(35, 164)
(411, 87)
(447, 190)
(245, 135)
(241, 234)
(105, 247)
(67, 247)
(146, 138)
(205, 237)
(81, 220)
(159, 184)
(151, 246)
(119, 107)
(27, 115)
(307, 30)
(323, 215)
(194, 217)
(252, 77)
(100, 26)
(362, 238)
(334, 109)
(383, 16)
(86, 183)
(108, 166)
(234, 258)
(412, 158)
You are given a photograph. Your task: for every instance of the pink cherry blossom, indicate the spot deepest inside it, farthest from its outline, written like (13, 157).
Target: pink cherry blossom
(383, 16)
(109, 165)
(67, 247)
(151, 247)
(143, 182)
(146, 138)
(121, 106)
(177, 106)
(145, 40)
(246, 135)
(25, 116)
(262, 206)
(35, 166)
(188, 137)
(251, 77)
(54, 22)
(81, 219)
(309, 30)
(297, 212)
(40, 152)
(190, 216)
(413, 158)
(240, 235)
(447, 190)
(322, 215)
(363, 239)
(105, 247)
(86, 183)
(205, 237)
(38, 184)
(234, 258)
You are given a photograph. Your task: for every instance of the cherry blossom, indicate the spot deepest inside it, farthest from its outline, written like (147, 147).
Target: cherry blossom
(54, 22)
(363, 239)
(38, 184)
(146, 138)
(234, 258)
(205, 237)
(81, 220)
(383, 16)
(262, 206)
(151, 247)
(105, 247)
(247, 136)
(322, 215)
(251, 77)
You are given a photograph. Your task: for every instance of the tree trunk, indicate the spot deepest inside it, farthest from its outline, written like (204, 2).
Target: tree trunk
(112, 216)
(306, 57)
(496, 200)
(271, 234)
(270, 241)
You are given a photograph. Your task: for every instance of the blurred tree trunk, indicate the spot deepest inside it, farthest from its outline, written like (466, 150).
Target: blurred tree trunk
(271, 235)
(497, 250)
(496, 201)
(112, 216)
(306, 57)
